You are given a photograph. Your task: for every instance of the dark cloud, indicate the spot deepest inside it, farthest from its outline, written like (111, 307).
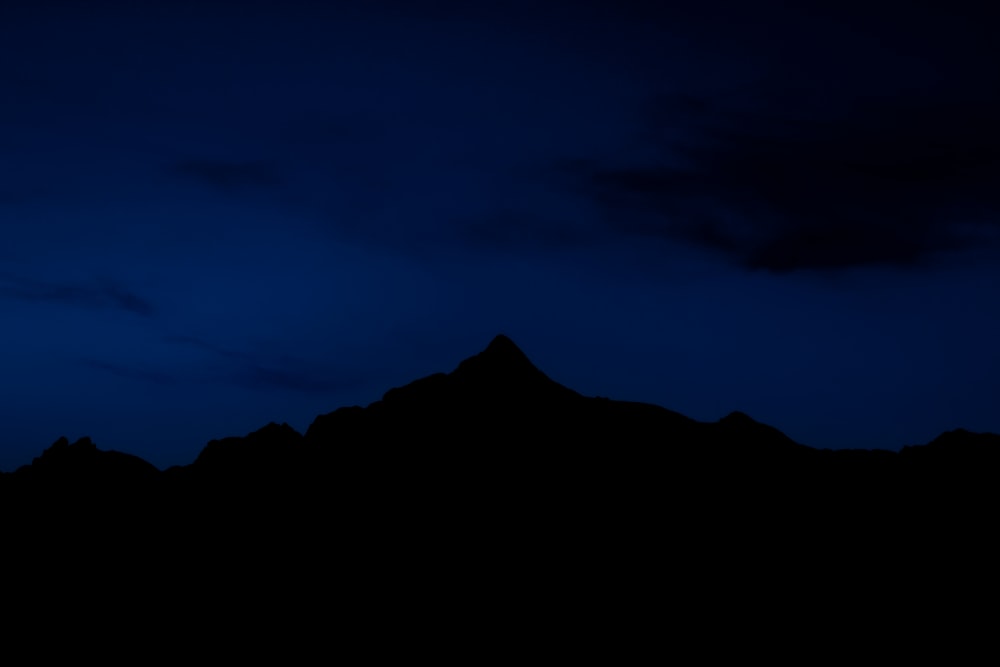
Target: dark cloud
(226, 175)
(202, 344)
(307, 381)
(249, 372)
(892, 182)
(264, 372)
(131, 373)
(126, 300)
(99, 294)
(516, 231)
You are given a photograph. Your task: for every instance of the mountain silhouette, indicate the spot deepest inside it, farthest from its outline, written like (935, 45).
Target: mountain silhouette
(499, 414)
(490, 500)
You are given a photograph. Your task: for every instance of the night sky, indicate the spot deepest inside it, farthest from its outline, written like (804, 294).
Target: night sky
(219, 214)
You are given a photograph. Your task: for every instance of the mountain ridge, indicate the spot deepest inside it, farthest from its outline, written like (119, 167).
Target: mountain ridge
(494, 488)
(499, 379)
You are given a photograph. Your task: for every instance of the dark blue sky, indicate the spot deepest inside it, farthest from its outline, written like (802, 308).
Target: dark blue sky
(219, 214)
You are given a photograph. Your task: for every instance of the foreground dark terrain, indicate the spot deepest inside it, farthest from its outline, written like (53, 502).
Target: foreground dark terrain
(492, 502)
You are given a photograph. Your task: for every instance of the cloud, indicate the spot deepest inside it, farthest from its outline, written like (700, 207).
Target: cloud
(301, 380)
(202, 344)
(104, 294)
(131, 373)
(128, 301)
(247, 371)
(269, 372)
(507, 230)
(893, 182)
(227, 175)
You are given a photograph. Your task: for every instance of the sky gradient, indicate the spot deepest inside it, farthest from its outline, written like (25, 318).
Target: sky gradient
(214, 215)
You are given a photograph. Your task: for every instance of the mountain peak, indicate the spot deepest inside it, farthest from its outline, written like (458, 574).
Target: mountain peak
(503, 350)
(502, 342)
(501, 356)
(503, 367)
(737, 417)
